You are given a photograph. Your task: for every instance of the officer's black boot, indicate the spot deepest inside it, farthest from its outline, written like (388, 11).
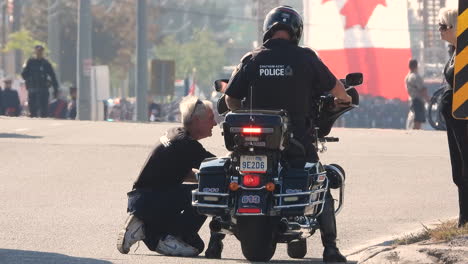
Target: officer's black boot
(327, 223)
(215, 246)
(463, 202)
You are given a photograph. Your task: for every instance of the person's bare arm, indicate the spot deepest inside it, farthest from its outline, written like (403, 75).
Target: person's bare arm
(233, 103)
(340, 93)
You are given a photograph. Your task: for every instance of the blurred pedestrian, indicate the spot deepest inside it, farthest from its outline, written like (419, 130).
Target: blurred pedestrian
(39, 76)
(72, 104)
(58, 107)
(457, 130)
(417, 93)
(1, 102)
(10, 100)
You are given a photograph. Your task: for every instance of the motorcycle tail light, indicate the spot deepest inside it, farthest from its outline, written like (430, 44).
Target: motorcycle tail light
(249, 210)
(251, 180)
(251, 130)
(270, 187)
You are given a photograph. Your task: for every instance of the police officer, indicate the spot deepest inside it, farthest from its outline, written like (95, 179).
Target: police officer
(282, 75)
(39, 74)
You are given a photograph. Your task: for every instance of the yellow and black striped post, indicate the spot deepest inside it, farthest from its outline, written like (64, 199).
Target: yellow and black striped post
(460, 92)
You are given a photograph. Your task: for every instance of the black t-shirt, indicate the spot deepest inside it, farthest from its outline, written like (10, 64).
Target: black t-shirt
(170, 162)
(282, 76)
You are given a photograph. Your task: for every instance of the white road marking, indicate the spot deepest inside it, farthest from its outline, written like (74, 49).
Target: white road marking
(22, 129)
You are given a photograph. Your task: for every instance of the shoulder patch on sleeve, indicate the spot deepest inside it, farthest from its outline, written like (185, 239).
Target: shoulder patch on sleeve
(246, 57)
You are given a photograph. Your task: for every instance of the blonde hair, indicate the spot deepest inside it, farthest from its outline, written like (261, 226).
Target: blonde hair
(191, 107)
(448, 16)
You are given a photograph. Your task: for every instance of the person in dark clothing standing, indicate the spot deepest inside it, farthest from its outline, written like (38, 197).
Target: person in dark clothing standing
(457, 130)
(282, 75)
(160, 205)
(10, 100)
(39, 76)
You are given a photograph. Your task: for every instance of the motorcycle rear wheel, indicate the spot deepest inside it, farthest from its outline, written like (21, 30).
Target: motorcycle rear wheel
(257, 235)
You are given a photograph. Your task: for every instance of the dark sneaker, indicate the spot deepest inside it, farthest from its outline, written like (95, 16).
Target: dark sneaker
(131, 233)
(333, 255)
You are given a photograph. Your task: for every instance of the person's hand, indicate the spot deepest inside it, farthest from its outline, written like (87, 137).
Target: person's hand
(345, 101)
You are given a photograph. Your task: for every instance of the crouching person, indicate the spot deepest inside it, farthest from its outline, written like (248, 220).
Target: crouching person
(159, 206)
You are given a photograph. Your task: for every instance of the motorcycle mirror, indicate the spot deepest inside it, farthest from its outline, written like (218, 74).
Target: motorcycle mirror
(354, 79)
(220, 85)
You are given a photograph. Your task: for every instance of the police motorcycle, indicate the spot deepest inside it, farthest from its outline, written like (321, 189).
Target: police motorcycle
(254, 195)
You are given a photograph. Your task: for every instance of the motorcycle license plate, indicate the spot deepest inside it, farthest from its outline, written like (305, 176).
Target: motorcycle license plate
(253, 163)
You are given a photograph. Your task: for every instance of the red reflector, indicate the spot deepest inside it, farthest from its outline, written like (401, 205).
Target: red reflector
(252, 130)
(251, 180)
(249, 210)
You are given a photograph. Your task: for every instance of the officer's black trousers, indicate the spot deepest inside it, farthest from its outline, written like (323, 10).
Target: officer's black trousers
(327, 222)
(327, 219)
(457, 133)
(38, 102)
(166, 212)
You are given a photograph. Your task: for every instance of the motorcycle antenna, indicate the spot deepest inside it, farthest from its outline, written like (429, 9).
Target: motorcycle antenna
(250, 104)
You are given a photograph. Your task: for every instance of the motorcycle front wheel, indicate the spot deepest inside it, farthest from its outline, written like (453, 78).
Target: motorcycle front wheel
(257, 235)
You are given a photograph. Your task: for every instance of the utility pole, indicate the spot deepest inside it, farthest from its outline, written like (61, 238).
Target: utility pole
(17, 13)
(84, 60)
(53, 34)
(141, 80)
(4, 30)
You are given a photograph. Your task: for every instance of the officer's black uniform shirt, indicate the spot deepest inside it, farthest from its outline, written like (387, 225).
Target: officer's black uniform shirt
(37, 73)
(171, 161)
(282, 76)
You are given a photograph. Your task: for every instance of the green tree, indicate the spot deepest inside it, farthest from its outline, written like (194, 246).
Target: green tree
(202, 53)
(22, 40)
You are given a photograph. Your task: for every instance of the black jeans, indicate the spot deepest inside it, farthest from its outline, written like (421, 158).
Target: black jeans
(38, 102)
(457, 133)
(166, 212)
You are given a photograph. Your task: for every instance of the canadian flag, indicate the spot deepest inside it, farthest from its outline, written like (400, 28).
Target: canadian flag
(368, 36)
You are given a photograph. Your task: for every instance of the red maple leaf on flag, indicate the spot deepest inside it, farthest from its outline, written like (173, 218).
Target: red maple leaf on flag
(324, 1)
(358, 12)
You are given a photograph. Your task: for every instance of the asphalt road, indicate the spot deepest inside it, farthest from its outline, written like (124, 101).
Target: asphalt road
(63, 189)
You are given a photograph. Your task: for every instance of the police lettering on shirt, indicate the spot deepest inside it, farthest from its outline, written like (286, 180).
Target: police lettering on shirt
(275, 70)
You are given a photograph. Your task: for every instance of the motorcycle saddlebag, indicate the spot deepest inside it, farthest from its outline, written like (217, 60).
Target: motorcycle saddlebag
(295, 181)
(212, 179)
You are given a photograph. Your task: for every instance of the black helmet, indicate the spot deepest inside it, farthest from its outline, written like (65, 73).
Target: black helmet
(283, 18)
